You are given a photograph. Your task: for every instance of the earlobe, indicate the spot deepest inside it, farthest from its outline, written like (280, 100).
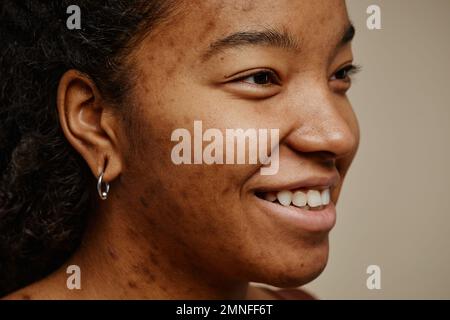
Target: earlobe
(86, 124)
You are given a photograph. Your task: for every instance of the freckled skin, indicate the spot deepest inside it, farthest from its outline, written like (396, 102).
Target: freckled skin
(193, 231)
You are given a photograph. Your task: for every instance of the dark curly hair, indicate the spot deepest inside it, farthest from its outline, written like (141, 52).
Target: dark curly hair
(45, 191)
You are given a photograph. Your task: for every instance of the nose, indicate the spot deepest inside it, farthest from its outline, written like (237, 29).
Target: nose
(325, 125)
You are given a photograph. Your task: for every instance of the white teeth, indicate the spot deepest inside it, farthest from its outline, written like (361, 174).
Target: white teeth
(270, 196)
(285, 197)
(314, 198)
(302, 199)
(299, 199)
(325, 197)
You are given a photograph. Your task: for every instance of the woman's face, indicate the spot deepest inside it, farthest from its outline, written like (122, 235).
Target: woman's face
(252, 65)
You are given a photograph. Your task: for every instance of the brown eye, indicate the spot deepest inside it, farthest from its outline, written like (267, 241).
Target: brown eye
(345, 73)
(261, 83)
(342, 74)
(262, 78)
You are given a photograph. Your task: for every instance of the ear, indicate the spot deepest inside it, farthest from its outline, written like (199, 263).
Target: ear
(89, 124)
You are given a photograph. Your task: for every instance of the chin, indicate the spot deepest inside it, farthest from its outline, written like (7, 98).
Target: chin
(297, 269)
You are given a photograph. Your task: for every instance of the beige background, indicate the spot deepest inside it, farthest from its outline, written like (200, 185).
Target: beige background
(395, 207)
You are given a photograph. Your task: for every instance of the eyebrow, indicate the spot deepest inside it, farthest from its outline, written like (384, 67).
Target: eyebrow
(267, 37)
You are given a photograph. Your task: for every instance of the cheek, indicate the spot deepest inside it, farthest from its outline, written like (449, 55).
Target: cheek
(194, 199)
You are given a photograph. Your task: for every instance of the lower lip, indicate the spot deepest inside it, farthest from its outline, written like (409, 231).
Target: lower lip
(307, 220)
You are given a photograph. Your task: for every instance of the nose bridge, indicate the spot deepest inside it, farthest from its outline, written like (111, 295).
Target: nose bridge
(320, 125)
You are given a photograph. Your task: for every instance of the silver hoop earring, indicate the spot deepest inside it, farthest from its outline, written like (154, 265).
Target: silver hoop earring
(102, 193)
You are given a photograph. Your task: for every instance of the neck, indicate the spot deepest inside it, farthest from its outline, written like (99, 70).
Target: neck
(123, 256)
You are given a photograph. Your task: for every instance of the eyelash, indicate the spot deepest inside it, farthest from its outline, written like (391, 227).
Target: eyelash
(269, 74)
(349, 71)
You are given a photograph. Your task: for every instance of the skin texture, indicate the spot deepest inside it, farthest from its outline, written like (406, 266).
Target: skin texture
(193, 231)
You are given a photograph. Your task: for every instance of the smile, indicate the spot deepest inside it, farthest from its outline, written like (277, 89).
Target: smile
(304, 206)
(306, 199)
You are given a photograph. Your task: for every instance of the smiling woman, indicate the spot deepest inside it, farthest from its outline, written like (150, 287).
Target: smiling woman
(102, 102)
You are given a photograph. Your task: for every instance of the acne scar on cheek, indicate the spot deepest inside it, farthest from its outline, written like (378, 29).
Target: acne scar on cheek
(132, 234)
(170, 71)
(225, 190)
(132, 284)
(143, 202)
(163, 288)
(112, 253)
(144, 271)
(154, 260)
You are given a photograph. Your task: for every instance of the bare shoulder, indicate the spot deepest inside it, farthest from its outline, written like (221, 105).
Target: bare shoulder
(46, 289)
(27, 293)
(21, 294)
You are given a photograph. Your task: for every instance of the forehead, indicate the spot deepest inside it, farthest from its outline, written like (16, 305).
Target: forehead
(273, 11)
(317, 25)
(205, 20)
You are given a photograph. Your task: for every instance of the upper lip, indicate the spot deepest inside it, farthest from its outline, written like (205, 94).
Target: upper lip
(318, 182)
